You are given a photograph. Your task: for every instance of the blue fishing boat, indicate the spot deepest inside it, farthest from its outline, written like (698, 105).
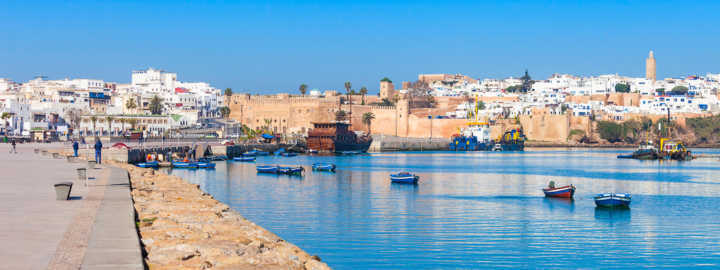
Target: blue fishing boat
(404, 177)
(328, 167)
(251, 153)
(620, 200)
(290, 170)
(244, 159)
(218, 158)
(206, 165)
(279, 151)
(185, 165)
(288, 154)
(149, 164)
(266, 168)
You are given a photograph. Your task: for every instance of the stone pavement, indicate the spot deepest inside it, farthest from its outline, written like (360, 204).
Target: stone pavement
(39, 232)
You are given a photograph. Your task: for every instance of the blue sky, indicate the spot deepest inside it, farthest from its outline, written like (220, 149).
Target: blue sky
(274, 46)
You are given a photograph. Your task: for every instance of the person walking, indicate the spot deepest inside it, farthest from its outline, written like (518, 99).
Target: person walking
(98, 151)
(13, 150)
(75, 146)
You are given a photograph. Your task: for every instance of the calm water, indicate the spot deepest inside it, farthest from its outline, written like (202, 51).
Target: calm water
(483, 210)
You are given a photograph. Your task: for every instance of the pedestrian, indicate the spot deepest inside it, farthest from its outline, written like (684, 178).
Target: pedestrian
(75, 146)
(13, 150)
(98, 150)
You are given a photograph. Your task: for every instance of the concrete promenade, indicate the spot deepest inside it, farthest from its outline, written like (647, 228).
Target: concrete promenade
(39, 232)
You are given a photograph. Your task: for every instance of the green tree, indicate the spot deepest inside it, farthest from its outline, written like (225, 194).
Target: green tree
(348, 86)
(633, 127)
(386, 79)
(527, 82)
(228, 92)
(109, 120)
(131, 104)
(225, 112)
(610, 131)
(363, 92)
(303, 89)
(156, 105)
(340, 115)
(622, 88)
(514, 88)
(679, 90)
(660, 91)
(5, 115)
(367, 119)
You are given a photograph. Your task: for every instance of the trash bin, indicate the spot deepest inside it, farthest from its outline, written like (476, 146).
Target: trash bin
(62, 190)
(91, 164)
(82, 174)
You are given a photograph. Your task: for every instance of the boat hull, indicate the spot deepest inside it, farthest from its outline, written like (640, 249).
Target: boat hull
(560, 192)
(408, 179)
(149, 164)
(206, 165)
(244, 159)
(290, 170)
(185, 165)
(266, 169)
(324, 167)
(613, 201)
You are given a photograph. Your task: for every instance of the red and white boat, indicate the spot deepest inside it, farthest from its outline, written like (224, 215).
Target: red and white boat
(560, 192)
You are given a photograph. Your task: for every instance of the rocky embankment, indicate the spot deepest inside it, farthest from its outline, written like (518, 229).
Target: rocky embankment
(182, 227)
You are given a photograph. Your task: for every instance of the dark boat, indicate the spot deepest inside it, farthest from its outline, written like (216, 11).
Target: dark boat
(149, 164)
(404, 177)
(328, 167)
(613, 200)
(336, 137)
(290, 170)
(266, 169)
(244, 159)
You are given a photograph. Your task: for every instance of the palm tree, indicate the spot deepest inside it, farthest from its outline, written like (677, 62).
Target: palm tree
(94, 122)
(303, 89)
(348, 85)
(228, 92)
(130, 104)
(367, 119)
(225, 112)
(363, 92)
(110, 120)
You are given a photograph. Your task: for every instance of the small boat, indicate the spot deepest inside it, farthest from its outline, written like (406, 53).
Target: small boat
(349, 152)
(206, 165)
(620, 200)
(288, 154)
(497, 147)
(328, 167)
(149, 164)
(261, 153)
(312, 151)
(266, 168)
(185, 165)
(279, 151)
(404, 177)
(290, 170)
(244, 159)
(559, 192)
(251, 153)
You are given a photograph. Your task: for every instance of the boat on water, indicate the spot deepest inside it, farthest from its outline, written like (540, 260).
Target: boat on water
(266, 168)
(149, 164)
(404, 177)
(290, 170)
(250, 153)
(206, 165)
(337, 137)
(279, 151)
(476, 137)
(613, 200)
(218, 158)
(559, 192)
(244, 159)
(184, 165)
(328, 167)
(667, 149)
(262, 153)
(288, 154)
(645, 151)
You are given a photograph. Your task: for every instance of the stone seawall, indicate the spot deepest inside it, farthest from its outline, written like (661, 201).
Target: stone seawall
(384, 143)
(182, 227)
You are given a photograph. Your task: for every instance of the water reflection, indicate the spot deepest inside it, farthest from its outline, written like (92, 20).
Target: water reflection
(481, 210)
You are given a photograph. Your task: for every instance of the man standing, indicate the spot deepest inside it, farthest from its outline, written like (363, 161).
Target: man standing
(98, 150)
(75, 146)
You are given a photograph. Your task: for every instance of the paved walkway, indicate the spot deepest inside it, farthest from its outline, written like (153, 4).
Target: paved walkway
(39, 232)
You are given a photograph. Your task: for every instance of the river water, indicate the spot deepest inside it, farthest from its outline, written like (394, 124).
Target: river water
(482, 210)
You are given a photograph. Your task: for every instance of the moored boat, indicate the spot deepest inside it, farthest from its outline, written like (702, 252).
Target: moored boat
(612, 200)
(149, 164)
(328, 167)
(206, 165)
(218, 158)
(250, 153)
(288, 154)
(184, 165)
(290, 170)
(404, 177)
(337, 137)
(559, 192)
(244, 159)
(266, 168)
(262, 153)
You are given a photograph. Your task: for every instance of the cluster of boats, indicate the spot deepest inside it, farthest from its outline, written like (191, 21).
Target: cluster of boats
(200, 164)
(666, 149)
(610, 200)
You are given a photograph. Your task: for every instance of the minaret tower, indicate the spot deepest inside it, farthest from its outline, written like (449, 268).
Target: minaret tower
(650, 67)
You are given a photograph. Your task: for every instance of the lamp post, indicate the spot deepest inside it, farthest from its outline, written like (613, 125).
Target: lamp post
(431, 127)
